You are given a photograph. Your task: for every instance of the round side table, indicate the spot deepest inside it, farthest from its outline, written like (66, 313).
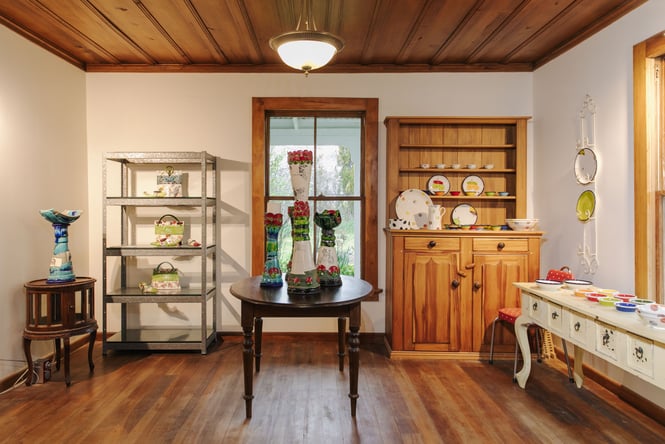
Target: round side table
(59, 311)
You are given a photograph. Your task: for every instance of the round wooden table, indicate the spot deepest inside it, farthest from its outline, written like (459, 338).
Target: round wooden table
(59, 311)
(341, 302)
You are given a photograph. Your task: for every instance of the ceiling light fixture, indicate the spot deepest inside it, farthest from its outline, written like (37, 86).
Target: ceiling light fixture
(307, 49)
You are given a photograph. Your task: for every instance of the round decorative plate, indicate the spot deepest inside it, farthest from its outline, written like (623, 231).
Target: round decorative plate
(586, 204)
(438, 184)
(473, 184)
(464, 214)
(413, 205)
(585, 166)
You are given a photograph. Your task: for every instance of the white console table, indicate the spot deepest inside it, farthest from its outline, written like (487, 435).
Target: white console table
(617, 337)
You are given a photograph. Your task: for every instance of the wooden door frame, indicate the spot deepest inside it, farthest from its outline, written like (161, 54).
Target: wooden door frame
(648, 223)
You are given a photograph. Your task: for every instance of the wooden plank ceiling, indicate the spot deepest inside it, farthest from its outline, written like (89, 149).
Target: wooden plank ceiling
(379, 35)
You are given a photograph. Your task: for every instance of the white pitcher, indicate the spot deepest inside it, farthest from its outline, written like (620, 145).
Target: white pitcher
(436, 213)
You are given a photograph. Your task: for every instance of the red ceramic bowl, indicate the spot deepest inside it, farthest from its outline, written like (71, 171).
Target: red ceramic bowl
(593, 296)
(454, 193)
(625, 297)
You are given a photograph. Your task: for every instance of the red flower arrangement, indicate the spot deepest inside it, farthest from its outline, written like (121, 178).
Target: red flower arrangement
(300, 156)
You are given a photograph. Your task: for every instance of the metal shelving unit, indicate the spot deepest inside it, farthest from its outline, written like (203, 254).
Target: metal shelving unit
(131, 250)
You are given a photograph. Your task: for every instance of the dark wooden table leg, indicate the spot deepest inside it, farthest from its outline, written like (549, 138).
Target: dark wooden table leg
(68, 377)
(258, 343)
(91, 343)
(341, 330)
(354, 355)
(247, 322)
(58, 351)
(28, 357)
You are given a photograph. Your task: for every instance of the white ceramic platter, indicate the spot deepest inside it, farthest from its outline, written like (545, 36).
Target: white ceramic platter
(413, 205)
(438, 184)
(473, 184)
(585, 166)
(464, 214)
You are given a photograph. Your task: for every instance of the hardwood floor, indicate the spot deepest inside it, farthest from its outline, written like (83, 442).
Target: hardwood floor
(301, 397)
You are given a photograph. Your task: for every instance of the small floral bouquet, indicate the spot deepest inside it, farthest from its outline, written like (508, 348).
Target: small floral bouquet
(300, 156)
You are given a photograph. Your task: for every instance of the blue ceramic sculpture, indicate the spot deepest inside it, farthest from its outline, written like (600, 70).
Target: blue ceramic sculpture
(61, 269)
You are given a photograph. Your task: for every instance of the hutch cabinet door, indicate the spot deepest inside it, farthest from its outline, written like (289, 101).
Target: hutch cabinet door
(493, 277)
(431, 301)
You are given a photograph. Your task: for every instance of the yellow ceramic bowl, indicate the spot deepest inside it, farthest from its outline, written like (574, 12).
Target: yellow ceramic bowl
(608, 301)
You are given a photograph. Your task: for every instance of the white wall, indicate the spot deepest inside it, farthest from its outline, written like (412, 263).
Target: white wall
(602, 68)
(43, 154)
(212, 112)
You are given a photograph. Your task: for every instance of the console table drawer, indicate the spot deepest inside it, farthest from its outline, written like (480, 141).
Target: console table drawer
(537, 309)
(608, 341)
(555, 318)
(579, 327)
(502, 245)
(641, 355)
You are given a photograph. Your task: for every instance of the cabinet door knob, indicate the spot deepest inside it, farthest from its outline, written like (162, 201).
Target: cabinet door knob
(431, 244)
(454, 283)
(500, 246)
(477, 286)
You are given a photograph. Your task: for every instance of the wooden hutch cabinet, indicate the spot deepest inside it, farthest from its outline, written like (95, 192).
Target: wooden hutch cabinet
(444, 287)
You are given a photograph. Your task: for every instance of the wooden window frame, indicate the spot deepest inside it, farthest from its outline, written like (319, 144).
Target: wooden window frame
(648, 182)
(261, 106)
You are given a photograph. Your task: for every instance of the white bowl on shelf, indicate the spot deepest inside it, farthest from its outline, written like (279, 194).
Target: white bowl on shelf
(522, 224)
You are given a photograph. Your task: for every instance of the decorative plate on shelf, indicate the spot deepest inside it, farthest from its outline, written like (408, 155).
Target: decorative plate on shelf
(438, 184)
(586, 204)
(413, 205)
(473, 184)
(585, 166)
(464, 214)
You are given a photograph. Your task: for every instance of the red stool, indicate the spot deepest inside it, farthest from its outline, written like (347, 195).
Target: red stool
(510, 315)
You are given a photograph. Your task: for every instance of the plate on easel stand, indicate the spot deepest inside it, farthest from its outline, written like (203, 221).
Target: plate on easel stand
(413, 205)
(438, 184)
(464, 214)
(586, 205)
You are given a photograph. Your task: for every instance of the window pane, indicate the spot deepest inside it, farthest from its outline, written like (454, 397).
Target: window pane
(286, 134)
(338, 153)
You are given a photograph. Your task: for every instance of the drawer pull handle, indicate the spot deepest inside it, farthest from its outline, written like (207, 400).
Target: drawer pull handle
(431, 244)
(500, 246)
(639, 353)
(477, 286)
(535, 306)
(454, 283)
(577, 326)
(555, 315)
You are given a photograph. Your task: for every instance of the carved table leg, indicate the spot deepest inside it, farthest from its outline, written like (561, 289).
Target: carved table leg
(354, 356)
(258, 342)
(68, 378)
(247, 321)
(521, 331)
(341, 330)
(28, 357)
(91, 343)
(578, 374)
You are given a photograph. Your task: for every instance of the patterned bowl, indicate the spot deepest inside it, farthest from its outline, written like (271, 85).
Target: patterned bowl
(522, 224)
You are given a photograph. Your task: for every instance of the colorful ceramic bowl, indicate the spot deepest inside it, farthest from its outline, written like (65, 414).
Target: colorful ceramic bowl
(455, 193)
(625, 297)
(522, 224)
(638, 301)
(594, 296)
(608, 292)
(608, 301)
(625, 307)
